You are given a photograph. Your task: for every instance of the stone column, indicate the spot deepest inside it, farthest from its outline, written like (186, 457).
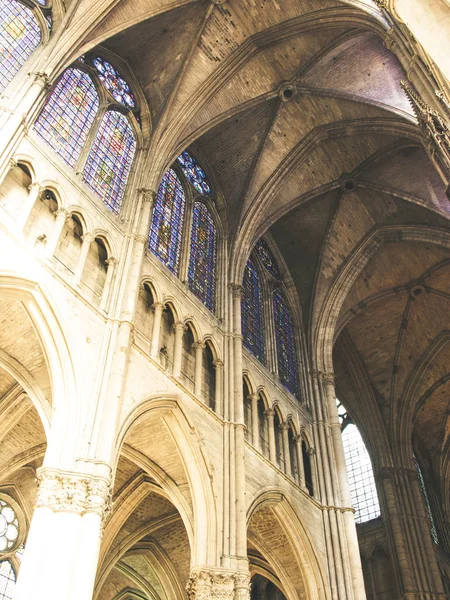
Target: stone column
(218, 365)
(111, 266)
(87, 238)
(198, 347)
(179, 329)
(300, 467)
(61, 216)
(270, 413)
(34, 191)
(255, 424)
(218, 584)
(62, 549)
(287, 455)
(312, 463)
(154, 345)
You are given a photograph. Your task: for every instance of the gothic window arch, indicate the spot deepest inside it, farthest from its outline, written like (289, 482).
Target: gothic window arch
(11, 545)
(361, 480)
(183, 232)
(268, 328)
(89, 120)
(21, 33)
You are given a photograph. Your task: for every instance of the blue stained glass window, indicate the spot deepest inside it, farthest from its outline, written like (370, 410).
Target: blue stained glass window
(109, 162)
(114, 83)
(202, 260)
(167, 222)
(253, 326)
(285, 344)
(267, 258)
(195, 174)
(7, 580)
(20, 35)
(67, 117)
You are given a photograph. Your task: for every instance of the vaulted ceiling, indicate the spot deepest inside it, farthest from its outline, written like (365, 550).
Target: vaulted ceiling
(295, 110)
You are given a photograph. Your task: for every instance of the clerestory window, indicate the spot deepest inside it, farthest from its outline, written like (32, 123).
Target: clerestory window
(184, 197)
(363, 490)
(89, 121)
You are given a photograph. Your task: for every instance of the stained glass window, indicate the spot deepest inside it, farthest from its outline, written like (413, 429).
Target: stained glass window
(9, 526)
(285, 344)
(194, 173)
(363, 490)
(113, 82)
(7, 580)
(433, 529)
(253, 327)
(202, 260)
(267, 258)
(167, 222)
(109, 162)
(66, 119)
(20, 35)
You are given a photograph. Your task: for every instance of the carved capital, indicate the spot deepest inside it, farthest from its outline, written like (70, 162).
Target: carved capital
(218, 364)
(242, 586)
(157, 307)
(112, 262)
(42, 78)
(63, 491)
(199, 585)
(236, 290)
(62, 214)
(180, 326)
(87, 238)
(210, 584)
(270, 413)
(327, 378)
(198, 346)
(147, 194)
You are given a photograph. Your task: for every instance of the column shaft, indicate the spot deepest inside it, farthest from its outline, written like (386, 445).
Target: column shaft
(255, 424)
(85, 246)
(154, 345)
(179, 329)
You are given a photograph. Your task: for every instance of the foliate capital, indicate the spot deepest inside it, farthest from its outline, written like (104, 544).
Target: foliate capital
(147, 194)
(218, 364)
(211, 584)
(64, 491)
(235, 289)
(41, 78)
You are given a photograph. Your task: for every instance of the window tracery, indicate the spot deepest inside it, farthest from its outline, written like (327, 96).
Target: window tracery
(433, 530)
(66, 123)
(9, 526)
(267, 258)
(174, 206)
(363, 490)
(194, 173)
(20, 35)
(203, 256)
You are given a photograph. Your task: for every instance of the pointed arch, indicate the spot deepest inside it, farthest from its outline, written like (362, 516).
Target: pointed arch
(203, 256)
(20, 35)
(67, 117)
(167, 222)
(109, 162)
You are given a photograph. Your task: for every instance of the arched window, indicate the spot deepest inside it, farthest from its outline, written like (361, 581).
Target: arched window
(7, 580)
(109, 162)
(433, 529)
(9, 527)
(363, 491)
(285, 344)
(267, 258)
(203, 257)
(20, 35)
(66, 119)
(253, 326)
(167, 222)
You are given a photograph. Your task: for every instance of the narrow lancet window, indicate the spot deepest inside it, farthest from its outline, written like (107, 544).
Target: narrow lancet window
(7, 580)
(20, 35)
(109, 162)
(363, 491)
(66, 119)
(167, 223)
(253, 326)
(203, 256)
(433, 529)
(285, 344)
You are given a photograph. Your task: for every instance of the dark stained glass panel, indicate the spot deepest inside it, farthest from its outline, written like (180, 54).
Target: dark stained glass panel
(203, 256)
(194, 173)
(20, 35)
(285, 344)
(267, 258)
(167, 222)
(67, 117)
(253, 326)
(109, 162)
